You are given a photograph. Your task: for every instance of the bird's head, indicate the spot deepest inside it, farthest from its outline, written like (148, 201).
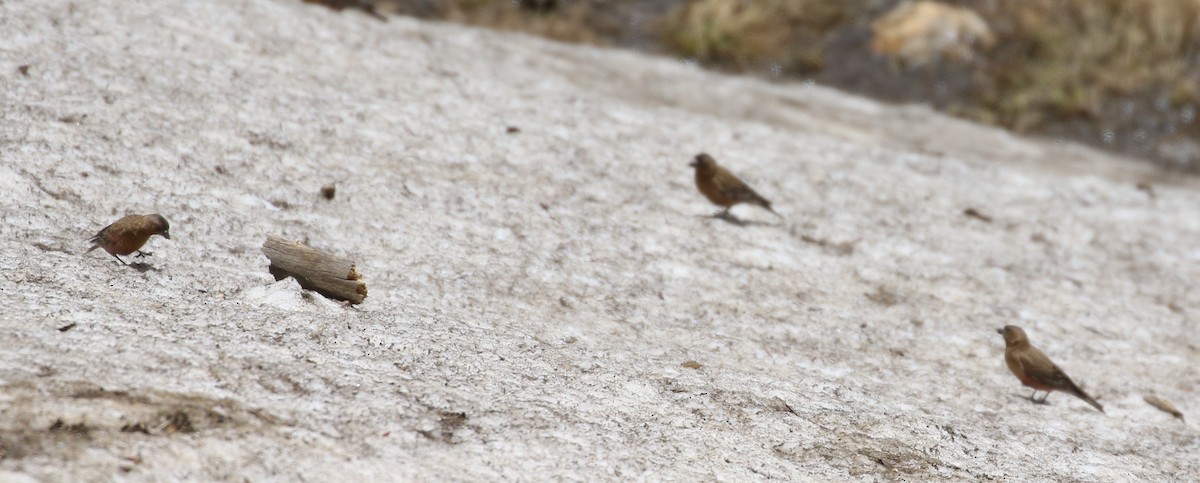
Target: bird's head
(703, 161)
(160, 223)
(1013, 335)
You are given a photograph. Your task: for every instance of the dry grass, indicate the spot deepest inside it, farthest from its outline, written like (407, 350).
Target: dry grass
(1068, 58)
(741, 32)
(749, 33)
(569, 23)
(1059, 67)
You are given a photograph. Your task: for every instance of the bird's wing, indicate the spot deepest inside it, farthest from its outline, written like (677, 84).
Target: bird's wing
(735, 188)
(1035, 364)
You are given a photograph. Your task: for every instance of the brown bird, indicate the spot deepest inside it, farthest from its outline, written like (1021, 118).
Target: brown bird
(128, 234)
(723, 188)
(1036, 370)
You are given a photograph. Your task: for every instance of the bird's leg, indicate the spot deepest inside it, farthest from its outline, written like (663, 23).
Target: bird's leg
(1043, 399)
(142, 254)
(119, 260)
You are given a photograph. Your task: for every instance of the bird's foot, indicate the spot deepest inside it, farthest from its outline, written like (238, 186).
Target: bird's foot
(141, 254)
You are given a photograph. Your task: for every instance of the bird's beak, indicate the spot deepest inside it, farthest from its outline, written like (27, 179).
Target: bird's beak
(999, 331)
(694, 164)
(166, 234)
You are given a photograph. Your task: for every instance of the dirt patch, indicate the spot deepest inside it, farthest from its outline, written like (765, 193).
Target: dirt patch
(62, 418)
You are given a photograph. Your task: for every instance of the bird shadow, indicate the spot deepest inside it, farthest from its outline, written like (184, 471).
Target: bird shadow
(142, 267)
(728, 217)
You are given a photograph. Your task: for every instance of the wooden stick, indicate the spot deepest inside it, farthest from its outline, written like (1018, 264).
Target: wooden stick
(331, 276)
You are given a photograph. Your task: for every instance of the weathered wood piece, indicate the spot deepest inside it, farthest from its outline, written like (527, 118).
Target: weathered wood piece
(328, 275)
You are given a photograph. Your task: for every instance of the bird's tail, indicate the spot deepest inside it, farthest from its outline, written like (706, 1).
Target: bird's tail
(370, 9)
(767, 204)
(1085, 397)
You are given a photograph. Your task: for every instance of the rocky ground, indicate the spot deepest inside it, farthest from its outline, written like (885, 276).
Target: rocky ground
(548, 299)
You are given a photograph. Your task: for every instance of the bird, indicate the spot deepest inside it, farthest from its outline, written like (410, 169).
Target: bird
(128, 234)
(723, 188)
(1036, 370)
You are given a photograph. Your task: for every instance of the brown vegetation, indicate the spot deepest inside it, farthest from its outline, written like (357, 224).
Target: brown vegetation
(748, 33)
(545, 18)
(1068, 58)
(1123, 74)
